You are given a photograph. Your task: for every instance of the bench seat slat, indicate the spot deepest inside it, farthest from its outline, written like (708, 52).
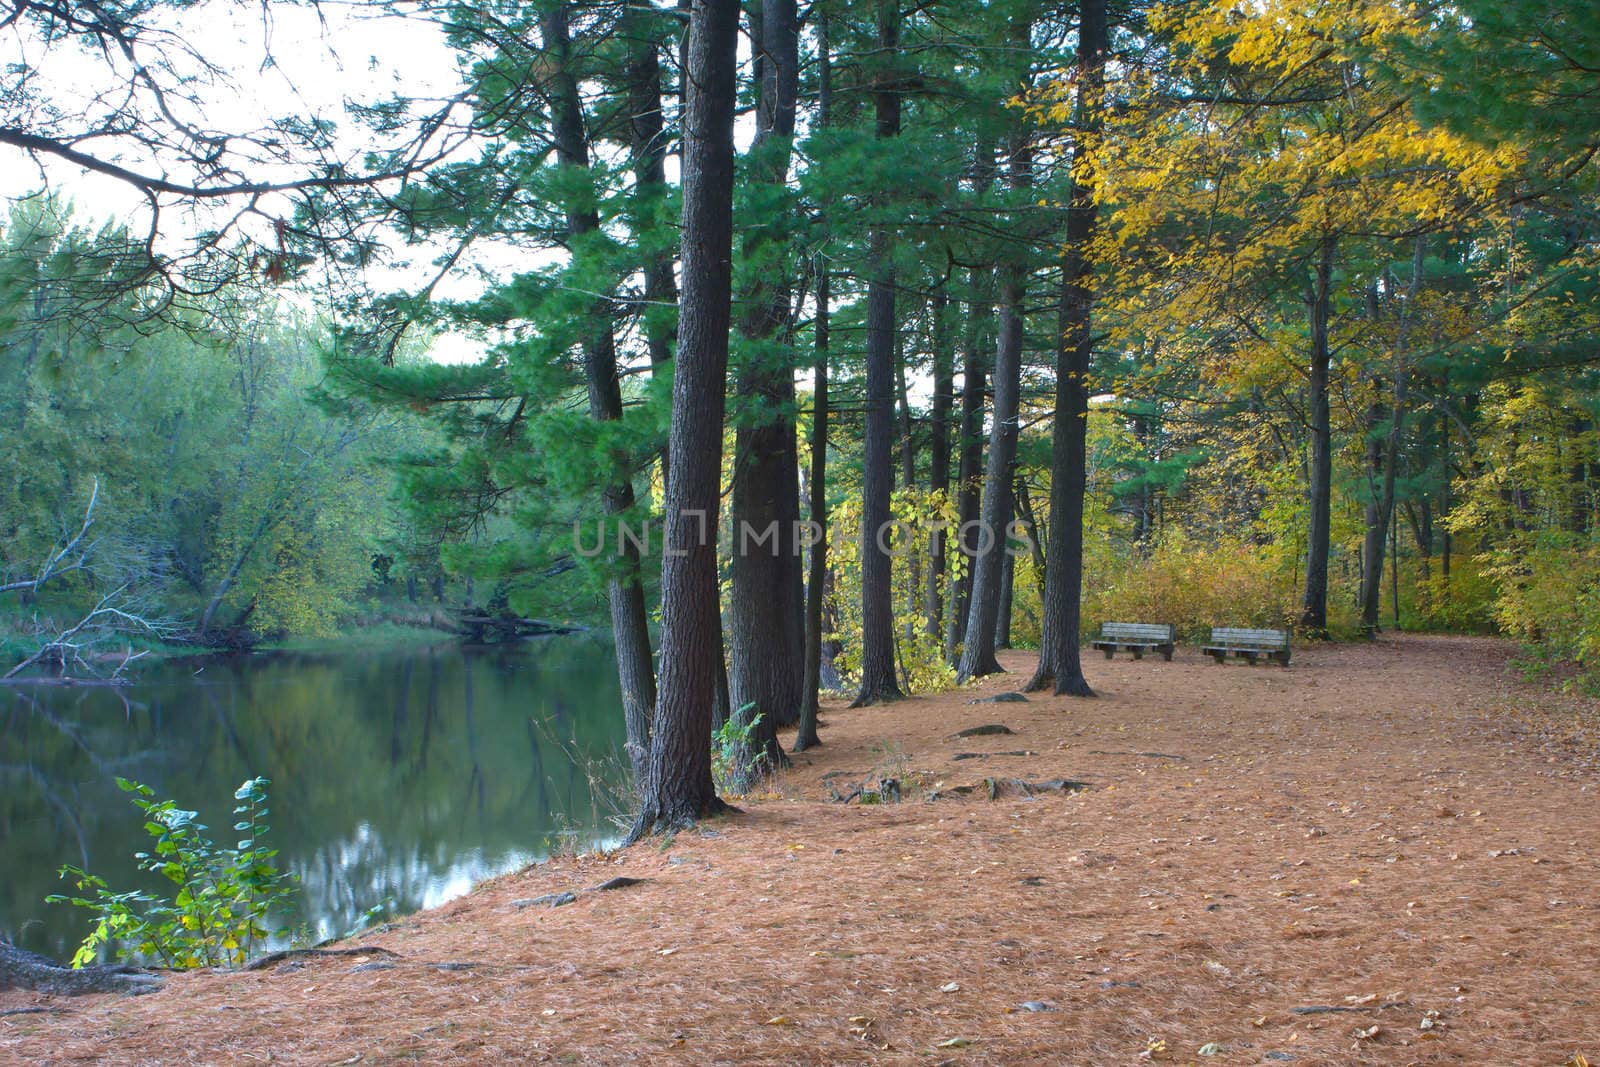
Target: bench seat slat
(1136, 630)
(1240, 633)
(1135, 637)
(1248, 643)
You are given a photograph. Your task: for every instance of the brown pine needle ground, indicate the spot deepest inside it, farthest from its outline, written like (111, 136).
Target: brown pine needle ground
(1400, 837)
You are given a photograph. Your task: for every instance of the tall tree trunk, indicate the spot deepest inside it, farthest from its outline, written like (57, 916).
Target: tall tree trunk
(766, 605)
(969, 434)
(1008, 586)
(878, 680)
(1314, 605)
(1397, 412)
(656, 234)
(722, 703)
(969, 440)
(1373, 546)
(1380, 512)
(678, 788)
(1444, 500)
(983, 611)
(908, 444)
(1394, 567)
(1060, 664)
(649, 147)
(630, 624)
(908, 482)
(1144, 501)
(1030, 523)
(939, 452)
(817, 577)
(806, 736)
(1420, 515)
(977, 653)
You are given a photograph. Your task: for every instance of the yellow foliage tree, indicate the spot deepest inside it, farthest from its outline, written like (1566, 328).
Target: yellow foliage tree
(1257, 185)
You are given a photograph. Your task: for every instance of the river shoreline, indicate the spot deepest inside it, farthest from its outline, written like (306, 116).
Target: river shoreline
(1397, 835)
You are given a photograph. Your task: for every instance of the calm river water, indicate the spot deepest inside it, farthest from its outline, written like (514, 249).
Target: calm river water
(396, 776)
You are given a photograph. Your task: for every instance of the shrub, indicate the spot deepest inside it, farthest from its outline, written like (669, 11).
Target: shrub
(1193, 587)
(919, 655)
(224, 899)
(732, 763)
(1549, 597)
(1464, 604)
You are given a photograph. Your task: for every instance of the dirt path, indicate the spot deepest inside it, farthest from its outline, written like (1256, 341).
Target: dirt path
(1385, 855)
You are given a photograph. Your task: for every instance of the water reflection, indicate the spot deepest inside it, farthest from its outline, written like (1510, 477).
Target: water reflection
(403, 776)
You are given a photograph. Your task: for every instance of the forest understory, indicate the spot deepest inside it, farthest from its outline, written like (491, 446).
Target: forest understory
(1386, 854)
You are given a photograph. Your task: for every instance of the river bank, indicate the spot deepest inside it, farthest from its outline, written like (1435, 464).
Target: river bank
(1385, 854)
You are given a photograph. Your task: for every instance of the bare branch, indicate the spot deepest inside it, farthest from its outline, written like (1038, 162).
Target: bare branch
(53, 566)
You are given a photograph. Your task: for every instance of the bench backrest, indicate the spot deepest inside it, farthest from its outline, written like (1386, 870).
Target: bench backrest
(1239, 635)
(1136, 631)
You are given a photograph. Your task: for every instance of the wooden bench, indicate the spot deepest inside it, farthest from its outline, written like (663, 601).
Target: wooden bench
(1248, 644)
(1136, 637)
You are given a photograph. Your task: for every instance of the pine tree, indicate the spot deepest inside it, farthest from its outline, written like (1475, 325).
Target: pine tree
(677, 788)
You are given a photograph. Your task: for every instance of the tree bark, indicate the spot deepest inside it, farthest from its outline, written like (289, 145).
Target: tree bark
(806, 736)
(1444, 501)
(908, 482)
(970, 463)
(766, 604)
(939, 452)
(21, 969)
(656, 234)
(878, 680)
(678, 788)
(969, 443)
(630, 620)
(1373, 519)
(1008, 585)
(649, 147)
(977, 653)
(1380, 512)
(983, 612)
(817, 577)
(1060, 664)
(1394, 566)
(1314, 605)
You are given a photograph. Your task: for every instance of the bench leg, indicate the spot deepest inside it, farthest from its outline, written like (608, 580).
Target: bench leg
(1138, 653)
(1251, 656)
(1166, 653)
(1220, 657)
(1111, 652)
(1283, 659)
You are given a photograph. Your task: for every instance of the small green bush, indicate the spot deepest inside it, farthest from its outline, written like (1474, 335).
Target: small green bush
(225, 896)
(732, 763)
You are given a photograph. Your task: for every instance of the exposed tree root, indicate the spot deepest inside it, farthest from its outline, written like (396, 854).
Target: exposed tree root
(21, 969)
(300, 953)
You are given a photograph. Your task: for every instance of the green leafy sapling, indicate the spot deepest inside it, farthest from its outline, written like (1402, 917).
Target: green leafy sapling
(224, 899)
